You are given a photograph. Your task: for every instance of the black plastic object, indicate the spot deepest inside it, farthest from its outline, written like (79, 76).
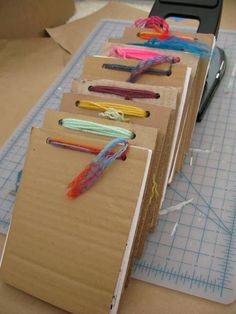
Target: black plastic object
(214, 77)
(207, 12)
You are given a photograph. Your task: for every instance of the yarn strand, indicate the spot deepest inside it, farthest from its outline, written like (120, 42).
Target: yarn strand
(126, 93)
(128, 68)
(96, 128)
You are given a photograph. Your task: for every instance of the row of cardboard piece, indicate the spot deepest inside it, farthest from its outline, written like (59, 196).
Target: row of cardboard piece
(77, 254)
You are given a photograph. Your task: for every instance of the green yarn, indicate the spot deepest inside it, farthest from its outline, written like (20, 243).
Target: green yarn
(96, 128)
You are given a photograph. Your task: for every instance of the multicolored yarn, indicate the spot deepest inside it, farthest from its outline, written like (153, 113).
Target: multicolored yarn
(144, 65)
(130, 68)
(174, 43)
(96, 128)
(126, 93)
(77, 146)
(96, 168)
(65, 144)
(160, 27)
(155, 22)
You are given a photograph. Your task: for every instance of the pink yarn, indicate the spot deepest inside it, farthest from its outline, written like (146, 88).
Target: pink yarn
(153, 22)
(136, 53)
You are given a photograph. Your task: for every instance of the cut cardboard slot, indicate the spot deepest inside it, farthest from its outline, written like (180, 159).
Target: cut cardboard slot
(71, 253)
(160, 117)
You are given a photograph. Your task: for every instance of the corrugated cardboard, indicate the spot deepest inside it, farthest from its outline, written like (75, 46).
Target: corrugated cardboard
(161, 117)
(65, 251)
(71, 35)
(27, 68)
(29, 18)
(146, 137)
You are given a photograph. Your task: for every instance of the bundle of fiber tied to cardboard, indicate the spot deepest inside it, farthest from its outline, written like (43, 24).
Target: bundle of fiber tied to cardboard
(96, 173)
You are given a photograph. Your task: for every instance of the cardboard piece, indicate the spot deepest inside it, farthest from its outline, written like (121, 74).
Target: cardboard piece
(29, 18)
(65, 251)
(28, 67)
(161, 117)
(93, 69)
(146, 137)
(70, 36)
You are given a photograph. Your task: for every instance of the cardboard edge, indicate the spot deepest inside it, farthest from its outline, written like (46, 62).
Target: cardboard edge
(183, 99)
(176, 131)
(131, 237)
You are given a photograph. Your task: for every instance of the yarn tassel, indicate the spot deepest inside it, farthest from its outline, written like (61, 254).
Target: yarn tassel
(96, 168)
(155, 22)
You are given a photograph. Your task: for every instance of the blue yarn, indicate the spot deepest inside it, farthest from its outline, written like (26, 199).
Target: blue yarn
(107, 159)
(174, 43)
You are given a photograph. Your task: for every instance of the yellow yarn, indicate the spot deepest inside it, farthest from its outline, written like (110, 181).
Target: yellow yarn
(104, 106)
(154, 190)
